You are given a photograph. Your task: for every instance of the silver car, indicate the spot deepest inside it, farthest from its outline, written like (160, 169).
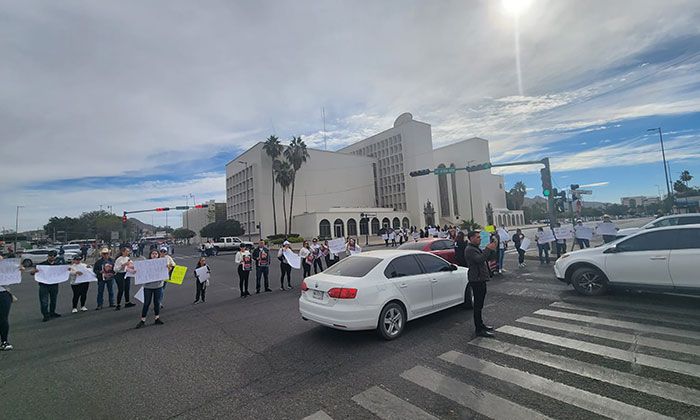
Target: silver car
(672, 220)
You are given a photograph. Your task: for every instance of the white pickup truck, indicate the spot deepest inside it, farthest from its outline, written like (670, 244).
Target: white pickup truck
(230, 243)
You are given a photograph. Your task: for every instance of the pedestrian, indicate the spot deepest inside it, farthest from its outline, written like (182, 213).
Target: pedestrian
(203, 250)
(417, 235)
(123, 283)
(135, 249)
(6, 299)
(478, 275)
(385, 237)
(163, 253)
(460, 246)
(245, 265)
(104, 271)
(152, 292)
(307, 259)
(609, 238)
(316, 251)
(351, 247)
(84, 251)
(518, 241)
(401, 236)
(79, 289)
(285, 268)
(502, 247)
(560, 244)
(201, 285)
(582, 242)
(48, 293)
(542, 246)
(261, 255)
(331, 257)
(392, 238)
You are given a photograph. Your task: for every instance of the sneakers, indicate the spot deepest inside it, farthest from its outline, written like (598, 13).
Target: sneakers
(83, 309)
(118, 308)
(74, 311)
(197, 301)
(268, 290)
(54, 315)
(158, 322)
(129, 305)
(290, 286)
(46, 318)
(111, 305)
(140, 324)
(282, 288)
(98, 308)
(5, 346)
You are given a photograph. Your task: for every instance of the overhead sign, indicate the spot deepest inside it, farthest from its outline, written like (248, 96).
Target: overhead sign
(444, 171)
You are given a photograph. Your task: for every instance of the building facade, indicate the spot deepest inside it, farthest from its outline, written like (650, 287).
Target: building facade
(639, 201)
(195, 219)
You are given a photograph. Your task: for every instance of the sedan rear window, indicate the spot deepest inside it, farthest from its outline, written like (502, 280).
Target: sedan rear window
(416, 246)
(354, 266)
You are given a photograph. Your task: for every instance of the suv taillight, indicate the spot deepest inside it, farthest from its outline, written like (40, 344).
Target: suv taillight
(342, 293)
(304, 287)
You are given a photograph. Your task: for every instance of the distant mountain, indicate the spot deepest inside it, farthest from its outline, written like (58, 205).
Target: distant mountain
(541, 200)
(141, 225)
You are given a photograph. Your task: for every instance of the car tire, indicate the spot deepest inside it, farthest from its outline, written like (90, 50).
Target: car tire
(392, 320)
(589, 281)
(27, 263)
(468, 297)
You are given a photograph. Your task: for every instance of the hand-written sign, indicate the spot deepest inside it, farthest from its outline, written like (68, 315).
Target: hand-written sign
(51, 274)
(9, 271)
(147, 271)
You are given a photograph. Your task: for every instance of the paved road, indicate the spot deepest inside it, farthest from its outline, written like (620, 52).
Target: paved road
(556, 355)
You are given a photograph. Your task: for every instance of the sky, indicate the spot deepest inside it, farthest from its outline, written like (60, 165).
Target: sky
(137, 104)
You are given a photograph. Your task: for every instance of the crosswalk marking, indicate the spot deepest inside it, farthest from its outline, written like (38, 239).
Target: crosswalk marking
(388, 406)
(319, 415)
(620, 324)
(613, 335)
(633, 306)
(577, 397)
(638, 383)
(644, 316)
(482, 402)
(612, 352)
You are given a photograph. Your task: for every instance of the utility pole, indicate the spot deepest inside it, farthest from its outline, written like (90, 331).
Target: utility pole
(187, 213)
(471, 203)
(17, 226)
(663, 155)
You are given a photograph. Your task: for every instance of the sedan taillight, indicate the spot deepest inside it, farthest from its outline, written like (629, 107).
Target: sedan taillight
(342, 293)
(304, 287)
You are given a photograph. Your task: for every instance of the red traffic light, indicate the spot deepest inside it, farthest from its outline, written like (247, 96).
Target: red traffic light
(159, 209)
(124, 219)
(201, 206)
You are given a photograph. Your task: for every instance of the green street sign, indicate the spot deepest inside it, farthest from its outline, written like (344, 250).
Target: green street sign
(444, 171)
(182, 207)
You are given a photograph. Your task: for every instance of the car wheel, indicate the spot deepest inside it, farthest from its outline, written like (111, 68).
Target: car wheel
(392, 320)
(27, 263)
(589, 281)
(468, 297)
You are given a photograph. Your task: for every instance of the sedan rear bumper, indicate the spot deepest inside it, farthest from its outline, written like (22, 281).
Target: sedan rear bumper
(342, 317)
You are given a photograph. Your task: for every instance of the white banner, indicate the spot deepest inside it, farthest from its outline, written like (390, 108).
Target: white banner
(151, 270)
(545, 237)
(583, 232)
(608, 228)
(432, 232)
(51, 274)
(9, 272)
(442, 235)
(563, 232)
(202, 273)
(337, 245)
(139, 295)
(293, 259)
(503, 235)
(87, 276)
(356, 251)
(525, 244)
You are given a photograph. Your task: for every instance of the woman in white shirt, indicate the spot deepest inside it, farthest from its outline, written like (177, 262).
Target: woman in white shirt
(123, 282)
(245, 265)
(306, 259)
(5, 304)
(79, 289)
(152, 292)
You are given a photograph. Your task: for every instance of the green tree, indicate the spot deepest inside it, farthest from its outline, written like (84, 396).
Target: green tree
(222, 228)
(273, 148)
(686, 177)
(284, 178)
(296, 155)
(182, 233)
(518, 191)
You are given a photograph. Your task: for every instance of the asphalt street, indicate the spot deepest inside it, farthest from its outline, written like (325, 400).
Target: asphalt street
(555, 355)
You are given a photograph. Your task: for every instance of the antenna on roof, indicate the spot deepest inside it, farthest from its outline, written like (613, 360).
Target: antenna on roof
(325, 144)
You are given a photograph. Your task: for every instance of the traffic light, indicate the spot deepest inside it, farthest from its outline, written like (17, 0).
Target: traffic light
(163, 209)
(201, 206)
(420, 172)
(480, 167)
(574, 186)
(546, 182)
(559, 205)
(124, 220)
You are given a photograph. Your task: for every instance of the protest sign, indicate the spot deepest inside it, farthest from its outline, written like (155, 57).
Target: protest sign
(51, 274)
(357, 250)
(608, 228)
(139, 295)
(337, 245)
(178, 275)
(293, 259)
(9, 271)
(490, 228)
(147, 271)
(583, 232)
(485, 238)
(503, 235)
(545, 237)
(87, 276)
(432, 232)
(203, 273)
(525, 244)
(563, 232)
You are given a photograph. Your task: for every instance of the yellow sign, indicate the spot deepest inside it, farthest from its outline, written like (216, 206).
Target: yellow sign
(490, 228)
(178, 275)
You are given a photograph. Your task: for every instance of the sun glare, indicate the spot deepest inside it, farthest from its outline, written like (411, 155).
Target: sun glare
(516, 7)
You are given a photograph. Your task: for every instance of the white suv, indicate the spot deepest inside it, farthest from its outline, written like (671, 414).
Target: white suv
(663, 259)
(672, 220)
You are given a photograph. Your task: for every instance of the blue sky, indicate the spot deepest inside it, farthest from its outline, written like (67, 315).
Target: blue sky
(137, 103)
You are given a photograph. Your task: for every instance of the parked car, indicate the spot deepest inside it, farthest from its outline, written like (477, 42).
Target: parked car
(672, 220)
(444, 248)
(662, 259)
(230, 243)
(383, 290)
(32, 257)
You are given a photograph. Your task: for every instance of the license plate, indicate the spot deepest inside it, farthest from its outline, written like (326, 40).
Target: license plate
(318, 294)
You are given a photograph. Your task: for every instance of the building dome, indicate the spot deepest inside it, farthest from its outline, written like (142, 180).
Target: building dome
(403, 118)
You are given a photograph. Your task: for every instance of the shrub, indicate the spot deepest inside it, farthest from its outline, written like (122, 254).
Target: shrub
(291, 239)
(281, 236)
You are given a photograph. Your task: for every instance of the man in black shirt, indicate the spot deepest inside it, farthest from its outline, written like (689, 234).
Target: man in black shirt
(104, 271)
(477, 262)
(261, 255)
(48, 292)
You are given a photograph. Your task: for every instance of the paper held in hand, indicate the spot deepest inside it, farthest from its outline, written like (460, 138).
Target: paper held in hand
(9, 271)
(563, 232)
(87, 276)
(140, 295)
(503, 235)
(293, 259)
(51, 274)
(584, 232)
(525, 244)
(337, 245)
(148, 271)
(203, 273)
(545, 237)
(178, 275)
(603, 228)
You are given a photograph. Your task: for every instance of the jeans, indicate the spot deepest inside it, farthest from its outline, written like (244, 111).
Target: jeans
(609, 238)
(79, 293)
(101, 290)
(521, 256)
(263, 270)
(543, 248)
(582, 242)
(501, 255)
(307, 269)
(123, 287)
(286, 271)
(479, 291)
(151, 295)
(5, 303)
(201, 290)
(318, 266)
(243, 279)
(561, 248)
(48, 292)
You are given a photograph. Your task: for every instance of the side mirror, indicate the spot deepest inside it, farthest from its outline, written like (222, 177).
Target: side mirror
(453, 267)
(611, 250)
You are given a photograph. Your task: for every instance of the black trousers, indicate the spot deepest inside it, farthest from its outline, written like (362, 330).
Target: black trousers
(48, 293)
(286, 271)
(307, 269)
(5, 303)
(479, 290)
(123, 287)
(243, 279)
(79, 293)
(561, 248)
(201, 290)
(521, 256)
(318, 264)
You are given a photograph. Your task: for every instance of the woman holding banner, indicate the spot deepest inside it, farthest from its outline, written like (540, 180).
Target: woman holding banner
(171, 265)
(5, 304)
(331, 257)
(307, 259)
(79, 289)
(518, 241)
(123, 282)
(245, 264)
(201, 286)
(152, 292)
(285, 267)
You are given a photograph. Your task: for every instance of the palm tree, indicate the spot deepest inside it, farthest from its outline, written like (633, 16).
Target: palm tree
(273, 148)
(520, 190)
(284, 178)
(296, 154)
(686, 177)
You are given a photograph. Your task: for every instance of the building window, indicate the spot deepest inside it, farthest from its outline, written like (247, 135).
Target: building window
(444, 197)
(396, 223)
(406, 223)
(324, 229)
(386, 223)
(364, 229)
(375, 226)
(352, 227)
(339, 228)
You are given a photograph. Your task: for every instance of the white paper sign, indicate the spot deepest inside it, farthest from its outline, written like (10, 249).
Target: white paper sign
(151, 270)
(51, 274)
(432, 232)
(584, 232)
(129, 273)
(545, 237)
(563, 232)
(87, 276)
(356, 251)
(293, 259)
(604, 228)
(202, 273)
(442, 235)
(9, 271)
(503, 235)
(139, 295)
(525, 244)
(337, 245)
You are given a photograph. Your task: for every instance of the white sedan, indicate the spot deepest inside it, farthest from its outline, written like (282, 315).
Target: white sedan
(383, 290)
(661, 259)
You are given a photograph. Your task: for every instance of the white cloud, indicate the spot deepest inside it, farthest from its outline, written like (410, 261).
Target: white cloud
(596, 184)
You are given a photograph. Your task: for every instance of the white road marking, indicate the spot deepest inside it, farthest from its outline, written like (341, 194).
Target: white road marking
(319, 415)
(644, 316)
(388, 406)
(630, 305)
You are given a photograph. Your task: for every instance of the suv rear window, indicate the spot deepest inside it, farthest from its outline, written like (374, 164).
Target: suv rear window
(416, 246)
(353, 266)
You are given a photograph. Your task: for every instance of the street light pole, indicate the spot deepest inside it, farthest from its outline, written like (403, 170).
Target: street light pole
(247, 200)
(663, 155)
(471, 203)
(187, 212)
(17, 227)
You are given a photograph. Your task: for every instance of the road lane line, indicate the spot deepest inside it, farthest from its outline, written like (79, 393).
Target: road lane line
(644, 316)
(627, 380)
(600, 350)
(589, 401)
(482, 402)
(613, 335)
(636, 326)
(630, 305)
(387, 406)
(319, 415)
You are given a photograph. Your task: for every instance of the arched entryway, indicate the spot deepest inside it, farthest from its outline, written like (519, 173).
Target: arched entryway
(396, 223)
(352, 227)
(364, 226)
(338, 228)
(405, 223)
(324, 229)
(386, 223)
(375, 226)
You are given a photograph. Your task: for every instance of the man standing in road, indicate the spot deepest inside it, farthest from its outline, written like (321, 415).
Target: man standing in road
(477, 262)
(48, 292)
(261, 255)
(104, 271)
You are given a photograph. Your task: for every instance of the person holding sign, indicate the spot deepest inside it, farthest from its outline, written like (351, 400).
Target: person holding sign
(79, 289)
(307, 259)
(316, 250)
(163, 253)
(152, 292)
(104, 270)
(503, 238)
(285, 267)
(583, 235)
(5, 304)
(261, 255)
(608, 229)
(48, 293)
(201, 285)
(518, 241)
(331, 257)
(245, 265)
(123, 283)
(352, 247)
(542, 245)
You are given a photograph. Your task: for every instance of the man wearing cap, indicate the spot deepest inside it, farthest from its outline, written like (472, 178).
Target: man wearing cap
(478, 275)
(104, 271)
(609, 238)
(261, 255)
(48, 293)
(582, 242)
